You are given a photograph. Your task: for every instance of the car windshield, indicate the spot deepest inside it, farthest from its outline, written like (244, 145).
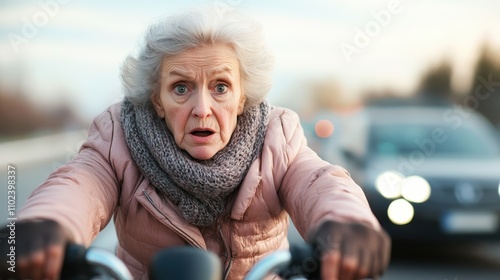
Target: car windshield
(391, 140)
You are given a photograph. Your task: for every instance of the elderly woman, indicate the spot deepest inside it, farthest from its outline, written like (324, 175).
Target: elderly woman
(195, 156)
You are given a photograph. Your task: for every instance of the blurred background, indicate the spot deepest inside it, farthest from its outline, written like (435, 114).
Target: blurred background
(404, 94)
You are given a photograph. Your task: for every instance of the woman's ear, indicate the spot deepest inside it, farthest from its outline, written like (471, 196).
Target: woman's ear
(155, 99)
(241, 105)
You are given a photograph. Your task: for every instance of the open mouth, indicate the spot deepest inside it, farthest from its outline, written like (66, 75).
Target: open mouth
(202, 133)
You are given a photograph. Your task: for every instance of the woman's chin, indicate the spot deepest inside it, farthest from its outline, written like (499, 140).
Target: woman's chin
(202, 153)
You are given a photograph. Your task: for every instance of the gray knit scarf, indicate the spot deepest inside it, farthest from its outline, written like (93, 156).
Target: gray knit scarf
(199, 188)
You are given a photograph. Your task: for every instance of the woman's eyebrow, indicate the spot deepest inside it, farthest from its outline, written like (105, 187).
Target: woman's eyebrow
(227, 69)
(180, 73)
(223, 69)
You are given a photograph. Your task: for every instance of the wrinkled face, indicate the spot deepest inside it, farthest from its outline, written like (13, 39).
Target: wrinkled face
(200, 98)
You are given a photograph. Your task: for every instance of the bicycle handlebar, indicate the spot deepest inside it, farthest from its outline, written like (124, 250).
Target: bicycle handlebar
(299, 260)
(81, 262)
(188, 263)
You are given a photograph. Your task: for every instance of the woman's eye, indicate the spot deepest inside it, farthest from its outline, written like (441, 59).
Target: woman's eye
(180, 89)
(220, 88)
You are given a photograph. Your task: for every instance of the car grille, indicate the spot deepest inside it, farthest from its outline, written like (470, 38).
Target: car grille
(465, 193)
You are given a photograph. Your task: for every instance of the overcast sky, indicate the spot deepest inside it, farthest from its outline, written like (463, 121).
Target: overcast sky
(52, 47)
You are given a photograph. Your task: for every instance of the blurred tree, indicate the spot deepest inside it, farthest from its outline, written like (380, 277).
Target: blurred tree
(326, 95)
(484, 95)
(20, 118)
(330, 95)
(436, 83)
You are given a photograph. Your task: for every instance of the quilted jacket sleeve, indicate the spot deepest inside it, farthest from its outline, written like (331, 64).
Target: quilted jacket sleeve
(82, 194)
(313, 190)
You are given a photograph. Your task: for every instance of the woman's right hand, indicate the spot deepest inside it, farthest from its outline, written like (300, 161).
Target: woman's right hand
(39, 250)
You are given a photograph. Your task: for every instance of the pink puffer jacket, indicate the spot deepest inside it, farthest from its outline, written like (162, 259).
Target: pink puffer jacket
(287, 179)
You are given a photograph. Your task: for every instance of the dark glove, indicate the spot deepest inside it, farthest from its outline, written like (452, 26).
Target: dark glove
(351, 251)
(38, 250)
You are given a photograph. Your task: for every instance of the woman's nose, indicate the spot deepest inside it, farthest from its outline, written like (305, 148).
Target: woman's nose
(202, 106)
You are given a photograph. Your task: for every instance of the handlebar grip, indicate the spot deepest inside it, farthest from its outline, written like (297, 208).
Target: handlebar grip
(75, 265)
(81, 263)
(305, 261)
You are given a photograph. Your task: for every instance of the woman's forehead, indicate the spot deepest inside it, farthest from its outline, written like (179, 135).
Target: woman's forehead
(203, 54)
(208, 66)
(181, 70)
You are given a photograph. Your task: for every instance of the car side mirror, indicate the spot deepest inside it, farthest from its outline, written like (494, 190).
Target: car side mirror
(353, 158)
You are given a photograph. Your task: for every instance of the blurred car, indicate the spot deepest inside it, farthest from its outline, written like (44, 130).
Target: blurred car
(430, 172)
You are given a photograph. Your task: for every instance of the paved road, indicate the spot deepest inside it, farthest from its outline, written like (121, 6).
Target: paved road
(431, 261)
(410, 261)
(480, 261)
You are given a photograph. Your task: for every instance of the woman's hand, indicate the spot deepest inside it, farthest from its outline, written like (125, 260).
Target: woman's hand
(39, 250)
(351, 251)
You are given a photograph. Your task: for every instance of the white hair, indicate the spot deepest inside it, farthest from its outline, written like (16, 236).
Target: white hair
(194, 28)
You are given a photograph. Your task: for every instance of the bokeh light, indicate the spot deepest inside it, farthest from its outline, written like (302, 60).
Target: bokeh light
(324, 128)
(415, 189)
(388, 184)
(400, 212)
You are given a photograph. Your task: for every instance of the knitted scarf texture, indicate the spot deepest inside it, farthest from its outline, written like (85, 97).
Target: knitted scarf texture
(199, 188)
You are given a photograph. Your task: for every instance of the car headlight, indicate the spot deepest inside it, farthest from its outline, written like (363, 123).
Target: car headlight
(400, 212)
(388, 184)
(415, 189)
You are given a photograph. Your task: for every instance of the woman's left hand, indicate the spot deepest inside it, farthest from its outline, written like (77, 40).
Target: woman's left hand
(351, 251)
